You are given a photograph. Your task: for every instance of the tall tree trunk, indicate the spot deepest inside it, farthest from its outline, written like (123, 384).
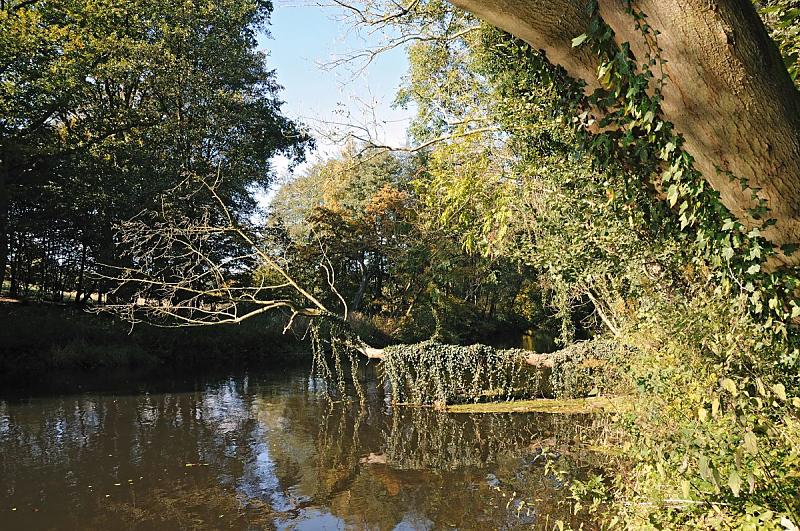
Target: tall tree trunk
(358, 298)
(4, 247)
(87, 296)
(81, 275)
(14, 274)
(105, 256)
(728, 90)
(44, 281)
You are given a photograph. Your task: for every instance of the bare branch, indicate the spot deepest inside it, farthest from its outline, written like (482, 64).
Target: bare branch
(196, 267)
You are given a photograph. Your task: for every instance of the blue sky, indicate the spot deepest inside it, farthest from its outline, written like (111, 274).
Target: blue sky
(304, 36)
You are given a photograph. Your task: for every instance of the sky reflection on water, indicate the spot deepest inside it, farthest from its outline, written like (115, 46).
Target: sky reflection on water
(268, 452)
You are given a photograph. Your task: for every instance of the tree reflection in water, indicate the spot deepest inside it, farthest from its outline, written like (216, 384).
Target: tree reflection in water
(263, 452)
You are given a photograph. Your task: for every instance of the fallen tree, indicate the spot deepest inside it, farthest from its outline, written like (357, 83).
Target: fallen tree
(427, 373)
(178, 281)
(437, 374)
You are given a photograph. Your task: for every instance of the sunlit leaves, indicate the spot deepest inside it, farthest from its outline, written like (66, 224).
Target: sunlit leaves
(783, 21)
(580, 39)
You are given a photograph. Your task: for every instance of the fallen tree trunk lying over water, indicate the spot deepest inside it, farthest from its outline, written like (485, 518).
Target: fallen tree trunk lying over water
(533, 359)
(431, 373)
(437, 374)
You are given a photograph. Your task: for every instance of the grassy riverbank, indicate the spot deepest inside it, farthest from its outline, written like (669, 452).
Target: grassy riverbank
(39, 338)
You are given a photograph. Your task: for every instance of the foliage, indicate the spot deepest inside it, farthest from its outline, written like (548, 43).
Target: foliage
(608, 208)
(357, 222)
(433, 373)
(440, 374)
(781, 17)
(107, 106)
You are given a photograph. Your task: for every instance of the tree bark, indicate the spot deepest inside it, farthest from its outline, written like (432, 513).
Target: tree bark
(81, 275)
(728, 91)
(4, 247)
(358, 298)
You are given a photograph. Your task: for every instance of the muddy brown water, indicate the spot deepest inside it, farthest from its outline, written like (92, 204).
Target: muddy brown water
(268, 451)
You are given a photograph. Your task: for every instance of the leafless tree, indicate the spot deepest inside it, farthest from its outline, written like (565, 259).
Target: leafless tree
(207, 267)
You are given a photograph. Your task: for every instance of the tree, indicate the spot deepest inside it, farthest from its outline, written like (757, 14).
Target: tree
(727, 91)
(107, 105)
(370, 217)
(613, 224)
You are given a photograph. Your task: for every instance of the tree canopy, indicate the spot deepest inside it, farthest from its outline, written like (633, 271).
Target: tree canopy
(108, 105)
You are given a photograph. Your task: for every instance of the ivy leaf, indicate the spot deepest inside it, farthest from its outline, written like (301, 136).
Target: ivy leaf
(672, 194)
(727, 253)
(580, 39)
(753, 269)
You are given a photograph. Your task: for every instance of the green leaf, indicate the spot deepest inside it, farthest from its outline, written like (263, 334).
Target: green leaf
(780, 391)
(686, 488)
(728, 253)
(704, 469)
(753, 269)
(672, 194)
(750, 442)
(729, 385)
(735, 482)
(580, 39)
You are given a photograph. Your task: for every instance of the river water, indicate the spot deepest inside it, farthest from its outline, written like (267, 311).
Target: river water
(269, 451)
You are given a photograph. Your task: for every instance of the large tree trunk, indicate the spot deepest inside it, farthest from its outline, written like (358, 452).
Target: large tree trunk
(81, 275)
(4, 247)
(728, 91)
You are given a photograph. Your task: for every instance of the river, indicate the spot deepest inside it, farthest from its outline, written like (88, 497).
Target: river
(269, 451)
